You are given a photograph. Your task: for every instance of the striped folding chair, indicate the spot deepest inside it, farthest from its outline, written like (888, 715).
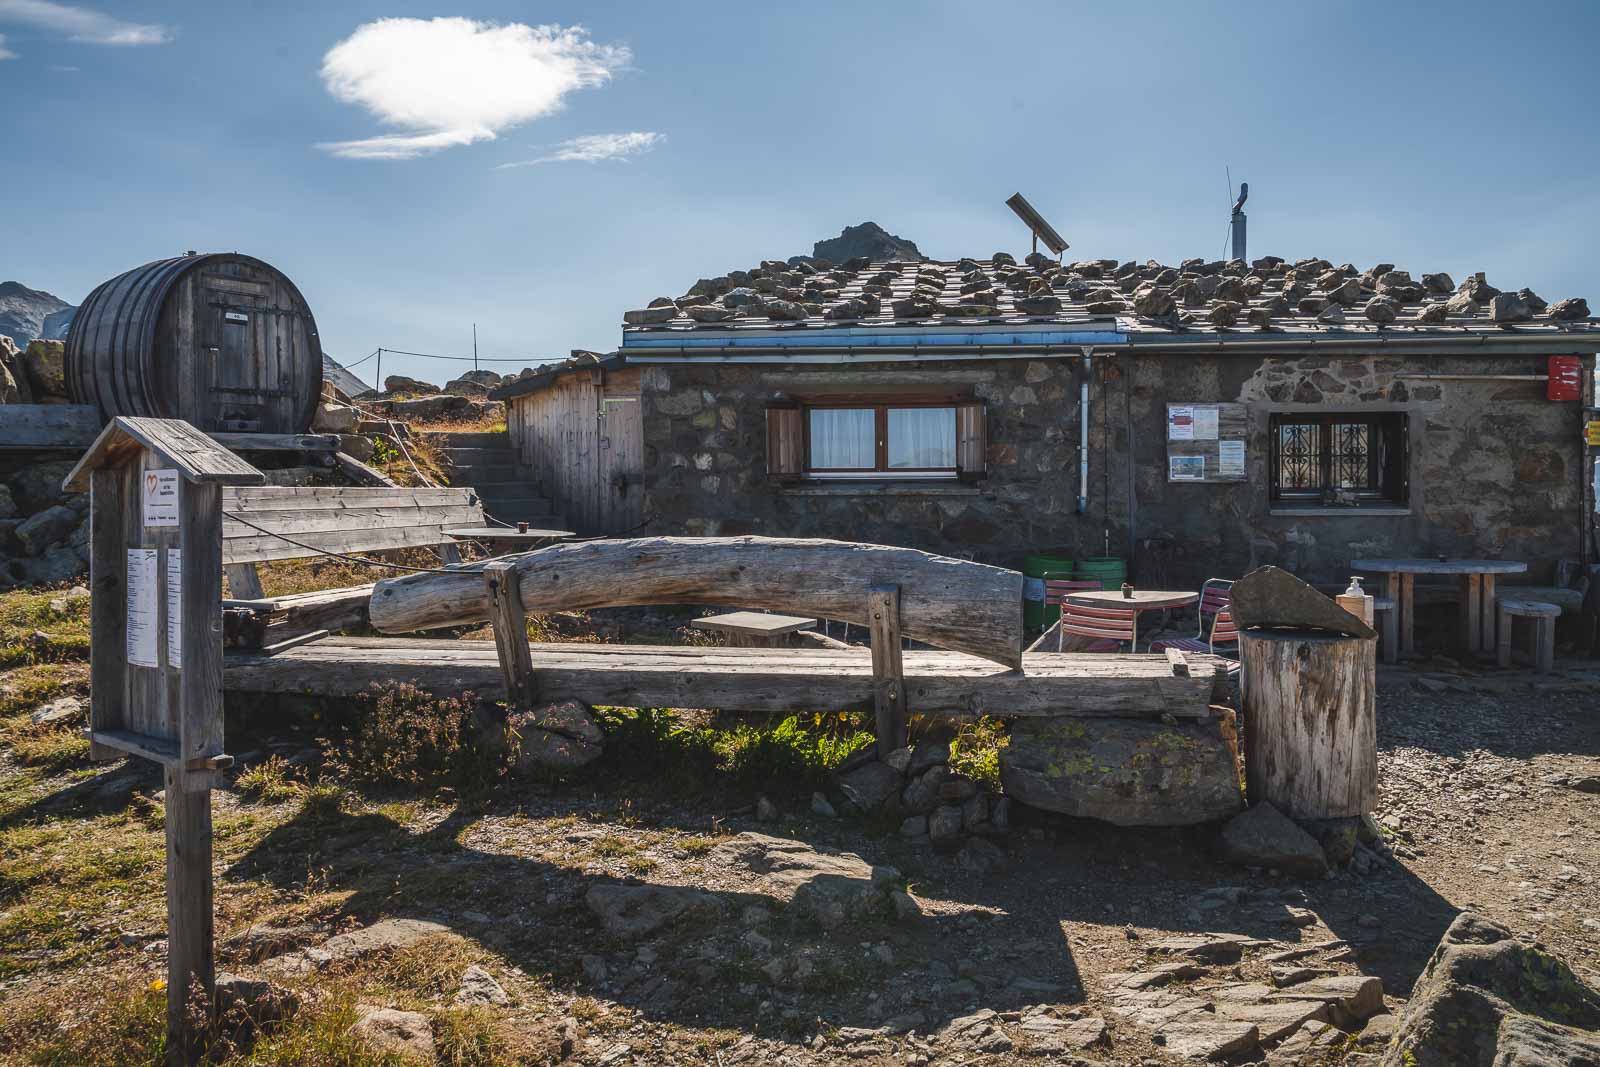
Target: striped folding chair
(1056, 590)
(1216, 621)
(1114, 625)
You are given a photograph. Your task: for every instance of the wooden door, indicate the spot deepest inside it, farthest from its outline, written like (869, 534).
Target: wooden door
(619, 482)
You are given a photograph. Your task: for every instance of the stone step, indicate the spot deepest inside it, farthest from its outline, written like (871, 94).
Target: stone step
(472, 457)
(453, 439)
(490, 474)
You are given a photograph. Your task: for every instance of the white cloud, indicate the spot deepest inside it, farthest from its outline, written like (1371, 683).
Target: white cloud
(5, 53)
(595, 147)
(454, 81)
(80, 23)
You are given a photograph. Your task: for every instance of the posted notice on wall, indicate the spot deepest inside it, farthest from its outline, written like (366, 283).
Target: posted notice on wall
(142, 604)
(1230, 459)
(161, 498)
(1180, 423)
(1205, 424)
(175, 607)
(1186, 468)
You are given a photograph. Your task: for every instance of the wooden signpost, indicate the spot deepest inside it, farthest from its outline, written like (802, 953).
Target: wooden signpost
(155, 658)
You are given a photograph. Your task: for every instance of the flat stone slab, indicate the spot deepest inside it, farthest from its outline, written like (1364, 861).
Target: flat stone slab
(1207, 1039)
(634, 911)
(831, 887)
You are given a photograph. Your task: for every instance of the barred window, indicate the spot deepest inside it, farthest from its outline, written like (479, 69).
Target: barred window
(1338, 459)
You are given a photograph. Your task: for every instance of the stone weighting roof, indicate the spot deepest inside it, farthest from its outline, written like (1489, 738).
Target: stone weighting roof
(1269, 295)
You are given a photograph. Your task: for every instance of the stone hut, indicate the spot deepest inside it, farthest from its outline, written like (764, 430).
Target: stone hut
(1198, 420)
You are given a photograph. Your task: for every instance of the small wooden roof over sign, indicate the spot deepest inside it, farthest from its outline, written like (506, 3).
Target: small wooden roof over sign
(195, 456)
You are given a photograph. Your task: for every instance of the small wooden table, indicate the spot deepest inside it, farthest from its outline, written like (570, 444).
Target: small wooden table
(509, 535)
(1477, 594)
(1141, 600)
(755, 629)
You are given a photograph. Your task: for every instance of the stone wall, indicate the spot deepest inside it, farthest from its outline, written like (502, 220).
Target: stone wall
(1494, 467)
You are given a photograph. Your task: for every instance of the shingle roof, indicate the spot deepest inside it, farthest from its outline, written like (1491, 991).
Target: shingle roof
(1305, 298)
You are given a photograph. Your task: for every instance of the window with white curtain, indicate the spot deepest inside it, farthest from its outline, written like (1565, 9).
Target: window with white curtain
(916, 441)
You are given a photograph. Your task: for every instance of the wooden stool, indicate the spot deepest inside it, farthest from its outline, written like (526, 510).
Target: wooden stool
(1544, 634)
(1388, 626)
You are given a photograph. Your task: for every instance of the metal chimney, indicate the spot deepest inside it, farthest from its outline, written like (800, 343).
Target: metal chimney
(1239, 220)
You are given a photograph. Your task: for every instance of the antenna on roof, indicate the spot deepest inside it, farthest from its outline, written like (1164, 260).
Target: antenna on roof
(1042, 230)
(1237, 219)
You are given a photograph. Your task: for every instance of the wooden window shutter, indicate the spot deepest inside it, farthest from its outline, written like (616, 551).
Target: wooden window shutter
(972, 440)
(786, 442)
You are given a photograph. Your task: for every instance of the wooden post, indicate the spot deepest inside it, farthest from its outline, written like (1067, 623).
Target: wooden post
(888, 671)
(1311, 739)
(244, 581)
(510, 624)
(1471, 607)
(1486, 614)
(190, 931)
(1408, 614)
(1502, 648)
(155, 661)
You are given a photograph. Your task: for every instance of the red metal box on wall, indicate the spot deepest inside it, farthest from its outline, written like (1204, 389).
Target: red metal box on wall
(1566, 378)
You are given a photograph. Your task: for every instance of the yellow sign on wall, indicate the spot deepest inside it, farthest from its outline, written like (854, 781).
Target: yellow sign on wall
(1592, 432)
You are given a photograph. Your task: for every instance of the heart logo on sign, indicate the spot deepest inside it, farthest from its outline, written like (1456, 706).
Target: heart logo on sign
(150, 484)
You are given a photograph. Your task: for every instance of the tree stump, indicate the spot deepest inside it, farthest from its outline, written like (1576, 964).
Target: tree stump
(1310, 723)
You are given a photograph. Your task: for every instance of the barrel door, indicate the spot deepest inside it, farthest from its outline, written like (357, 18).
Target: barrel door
(223, 341)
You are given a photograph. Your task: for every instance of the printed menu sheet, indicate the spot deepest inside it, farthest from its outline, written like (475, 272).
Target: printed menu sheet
(142, 604)
(175, 607)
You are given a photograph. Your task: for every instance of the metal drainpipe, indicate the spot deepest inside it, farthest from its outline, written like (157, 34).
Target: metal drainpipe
(1083, 432)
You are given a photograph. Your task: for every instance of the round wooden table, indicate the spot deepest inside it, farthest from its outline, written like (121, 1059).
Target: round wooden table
(1140, 600)
(1477, 593)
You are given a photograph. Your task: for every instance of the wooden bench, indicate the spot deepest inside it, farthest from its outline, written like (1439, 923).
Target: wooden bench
(755, 629)
(1544, 633)
(326, 519)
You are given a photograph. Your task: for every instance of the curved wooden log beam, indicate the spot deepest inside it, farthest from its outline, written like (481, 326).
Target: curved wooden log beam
(948, 603)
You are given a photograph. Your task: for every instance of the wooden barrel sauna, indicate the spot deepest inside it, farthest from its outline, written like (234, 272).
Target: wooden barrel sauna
(223, 341)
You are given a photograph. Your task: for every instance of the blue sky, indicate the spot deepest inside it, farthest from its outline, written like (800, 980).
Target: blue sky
(1441, 136)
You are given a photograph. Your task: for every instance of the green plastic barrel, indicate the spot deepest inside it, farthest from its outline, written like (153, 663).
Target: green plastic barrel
(1109, 571)
(1035, 616)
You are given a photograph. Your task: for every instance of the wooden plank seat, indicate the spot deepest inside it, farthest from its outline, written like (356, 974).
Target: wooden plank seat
(1566, 601)
(1543, 615)
(347, 520)
(744, 679)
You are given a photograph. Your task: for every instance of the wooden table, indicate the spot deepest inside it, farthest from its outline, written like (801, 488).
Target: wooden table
(1141, 600)
(755, 629)
(1477, 594)
(509, 535)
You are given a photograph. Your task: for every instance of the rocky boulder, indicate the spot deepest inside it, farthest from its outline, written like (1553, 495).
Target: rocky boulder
(406, 1036)
(334, 418)
(1121, 771)
(1488, 1000)
(400, 383)
(1270, 597)
(557, 737)
(869, 241)
(1570, 309)
(424, 408)
(43, 529)
(46, 366)
(8, 385)
(1265, 837)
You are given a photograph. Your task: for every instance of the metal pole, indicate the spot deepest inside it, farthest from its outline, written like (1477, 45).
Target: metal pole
(379, 385)
(1083, 432)
(474, 346)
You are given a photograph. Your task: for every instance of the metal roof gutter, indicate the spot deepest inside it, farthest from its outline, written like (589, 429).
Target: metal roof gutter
(1386, 342)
